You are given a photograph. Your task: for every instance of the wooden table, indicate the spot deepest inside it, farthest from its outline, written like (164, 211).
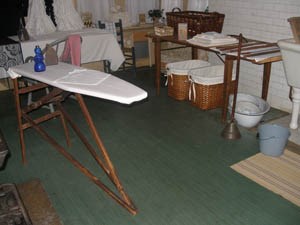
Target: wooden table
(263, 57)
(65, 79)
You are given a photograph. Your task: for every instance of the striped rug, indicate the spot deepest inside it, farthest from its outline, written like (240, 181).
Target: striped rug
(278, 174)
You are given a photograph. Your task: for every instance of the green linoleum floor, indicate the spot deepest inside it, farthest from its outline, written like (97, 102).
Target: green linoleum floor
(169, 156)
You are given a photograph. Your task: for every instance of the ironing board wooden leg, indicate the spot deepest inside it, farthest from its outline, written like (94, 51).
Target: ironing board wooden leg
(19, 117)
(113, 174)
(56, 95)
(129, 206)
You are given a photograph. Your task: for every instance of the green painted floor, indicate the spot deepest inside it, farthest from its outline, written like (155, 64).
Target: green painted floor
(169, 156)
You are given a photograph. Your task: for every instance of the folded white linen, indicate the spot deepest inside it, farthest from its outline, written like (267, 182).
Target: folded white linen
(212, 39)
(83, 77)
(212, 44)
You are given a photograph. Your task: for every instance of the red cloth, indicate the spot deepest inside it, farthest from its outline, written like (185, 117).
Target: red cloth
(72, 50)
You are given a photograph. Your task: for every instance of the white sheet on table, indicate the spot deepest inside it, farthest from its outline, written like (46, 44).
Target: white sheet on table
(96, 45)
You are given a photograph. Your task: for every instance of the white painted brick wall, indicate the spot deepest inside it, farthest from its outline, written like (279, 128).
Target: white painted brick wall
(264, 20)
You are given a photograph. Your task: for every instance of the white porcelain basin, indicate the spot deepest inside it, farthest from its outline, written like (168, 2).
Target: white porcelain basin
(249, 109)
(291, 61)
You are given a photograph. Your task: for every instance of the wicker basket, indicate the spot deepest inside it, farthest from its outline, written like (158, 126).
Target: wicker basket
(178, 79)
(209, 96)
(206, 89)
(198, 22)
(178, 87)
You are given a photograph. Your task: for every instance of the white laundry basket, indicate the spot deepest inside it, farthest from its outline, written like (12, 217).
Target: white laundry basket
(207, 84)
(178, 80)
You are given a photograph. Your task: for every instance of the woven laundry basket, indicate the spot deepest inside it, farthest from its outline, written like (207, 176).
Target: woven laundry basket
(198, 22)
(178, 79)
(207, 84)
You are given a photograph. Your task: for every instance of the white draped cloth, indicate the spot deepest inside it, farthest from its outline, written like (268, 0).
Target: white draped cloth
(39, 22)
(100, 9)
(198, 5)
(168, 5)
(66, 17)
(135, 7)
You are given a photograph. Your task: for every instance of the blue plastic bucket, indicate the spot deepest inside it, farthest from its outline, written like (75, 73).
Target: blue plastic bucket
(272, 139)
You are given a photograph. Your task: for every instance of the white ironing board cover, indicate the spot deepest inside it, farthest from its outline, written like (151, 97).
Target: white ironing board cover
(103, 85)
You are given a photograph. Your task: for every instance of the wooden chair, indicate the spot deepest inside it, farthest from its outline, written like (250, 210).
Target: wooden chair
(129, 52)
(295, 25)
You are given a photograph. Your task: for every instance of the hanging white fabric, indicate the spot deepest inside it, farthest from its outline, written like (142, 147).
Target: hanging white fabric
(198, 5)
(168, 5)
(100, 9)
(66, 17)
(38, 22)
(136, 7)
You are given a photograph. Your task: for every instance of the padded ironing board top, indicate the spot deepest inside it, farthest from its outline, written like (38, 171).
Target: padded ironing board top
(83, 81)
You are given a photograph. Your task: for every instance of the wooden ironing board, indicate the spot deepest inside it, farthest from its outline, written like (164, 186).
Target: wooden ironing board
(65, 79)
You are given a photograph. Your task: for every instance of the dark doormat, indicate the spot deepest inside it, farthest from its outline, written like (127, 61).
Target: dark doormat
(37, 203)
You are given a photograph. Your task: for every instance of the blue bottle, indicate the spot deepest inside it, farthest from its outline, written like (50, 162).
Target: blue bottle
(39, 65)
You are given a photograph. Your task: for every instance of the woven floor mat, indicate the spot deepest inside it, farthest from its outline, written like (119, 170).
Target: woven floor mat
(37, 203)
(278, 174)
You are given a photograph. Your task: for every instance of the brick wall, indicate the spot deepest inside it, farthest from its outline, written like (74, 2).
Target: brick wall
(262, 20)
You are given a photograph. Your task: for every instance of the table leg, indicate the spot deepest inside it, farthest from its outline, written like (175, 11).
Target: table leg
(157, 49)
(227, 81)
(266, 79)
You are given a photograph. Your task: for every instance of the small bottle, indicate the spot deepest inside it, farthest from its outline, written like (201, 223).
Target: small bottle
(39, 65)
